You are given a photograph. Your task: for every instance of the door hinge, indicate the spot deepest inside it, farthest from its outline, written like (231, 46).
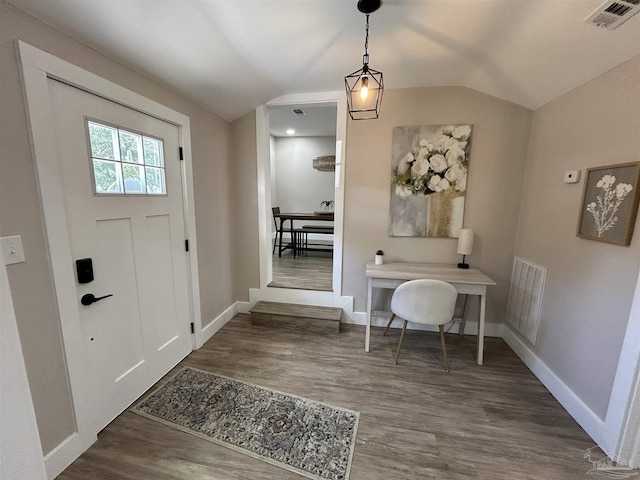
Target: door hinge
(181, 153)
(193, 328)
(186, 245)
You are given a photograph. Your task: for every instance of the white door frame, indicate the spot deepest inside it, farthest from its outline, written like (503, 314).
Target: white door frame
(37, 67)
(309, 297)
(621, 428)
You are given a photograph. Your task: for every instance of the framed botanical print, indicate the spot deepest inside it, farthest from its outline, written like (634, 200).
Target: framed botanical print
(609, 203)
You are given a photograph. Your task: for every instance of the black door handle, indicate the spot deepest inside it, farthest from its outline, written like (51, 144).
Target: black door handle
(90, 298)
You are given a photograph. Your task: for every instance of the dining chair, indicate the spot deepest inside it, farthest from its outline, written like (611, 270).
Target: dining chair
(276, 214)
(428, 302)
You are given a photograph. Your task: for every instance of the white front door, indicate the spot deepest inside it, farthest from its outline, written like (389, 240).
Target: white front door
(123, 196)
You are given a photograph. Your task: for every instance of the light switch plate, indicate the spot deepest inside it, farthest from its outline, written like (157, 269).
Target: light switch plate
(572, 176)
(12, 250)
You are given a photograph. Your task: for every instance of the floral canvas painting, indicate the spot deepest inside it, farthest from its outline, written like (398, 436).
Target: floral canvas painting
(610, 203)
(429, 171)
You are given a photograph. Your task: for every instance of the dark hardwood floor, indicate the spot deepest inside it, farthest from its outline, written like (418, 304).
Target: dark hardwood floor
(491, 422)
(310, 271)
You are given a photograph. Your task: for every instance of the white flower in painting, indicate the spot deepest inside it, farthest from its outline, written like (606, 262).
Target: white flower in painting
(423, 152)
(435, 163)
(404, 191)
(606, 181)
(403, 164)
(461, 183)
(441, 143)
(462, 132)
(607, 203)
(443, 185)
(438, 184)
(454, 156)
(420, 167)
(434, 181)
(623, 189)
(455, 172)
(438, 163)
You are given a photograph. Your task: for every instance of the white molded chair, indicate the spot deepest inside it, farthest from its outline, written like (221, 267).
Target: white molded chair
(429, 302)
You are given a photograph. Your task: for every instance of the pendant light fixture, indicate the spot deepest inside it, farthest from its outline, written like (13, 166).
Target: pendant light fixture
(365, 86)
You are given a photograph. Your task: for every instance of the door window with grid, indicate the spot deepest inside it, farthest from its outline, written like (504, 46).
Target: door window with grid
(125, 162)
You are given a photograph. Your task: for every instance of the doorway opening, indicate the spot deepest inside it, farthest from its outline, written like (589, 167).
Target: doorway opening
(302, 164)
(265, 141)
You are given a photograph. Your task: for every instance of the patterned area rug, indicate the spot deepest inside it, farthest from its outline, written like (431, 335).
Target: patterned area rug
(310, 438)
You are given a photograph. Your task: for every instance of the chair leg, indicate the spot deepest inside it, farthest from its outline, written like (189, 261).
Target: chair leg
(389, 324)
(275, 243)
(404, 329)
(444, 349)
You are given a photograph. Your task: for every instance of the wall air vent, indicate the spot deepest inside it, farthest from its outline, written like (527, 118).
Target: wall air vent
(325, 164)
(525, 297)
(611, 15)
(299, 111)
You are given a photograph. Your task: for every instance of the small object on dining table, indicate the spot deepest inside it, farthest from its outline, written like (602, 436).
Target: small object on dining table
(328, 205)
(379, 257)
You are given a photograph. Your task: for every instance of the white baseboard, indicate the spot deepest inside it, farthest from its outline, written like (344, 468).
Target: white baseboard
(471, 327)
(581, 413)
(221, 320)
(243, 307)
(63, 455)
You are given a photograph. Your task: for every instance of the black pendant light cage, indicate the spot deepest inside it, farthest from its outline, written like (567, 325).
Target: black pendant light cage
(368, 106)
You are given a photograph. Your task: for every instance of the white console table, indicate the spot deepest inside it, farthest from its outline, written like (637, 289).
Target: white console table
(466, 281)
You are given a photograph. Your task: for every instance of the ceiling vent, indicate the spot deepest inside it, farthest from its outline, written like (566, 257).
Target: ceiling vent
(325, 164)
(299, 111)
(611, 15)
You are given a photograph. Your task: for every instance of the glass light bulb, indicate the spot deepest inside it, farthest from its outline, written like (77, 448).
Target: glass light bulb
(364, 89)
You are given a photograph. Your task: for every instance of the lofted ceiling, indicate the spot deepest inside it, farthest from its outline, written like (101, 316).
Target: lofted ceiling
(232, 55)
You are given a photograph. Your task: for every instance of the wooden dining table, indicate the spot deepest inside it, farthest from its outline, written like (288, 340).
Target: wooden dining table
(291, 217)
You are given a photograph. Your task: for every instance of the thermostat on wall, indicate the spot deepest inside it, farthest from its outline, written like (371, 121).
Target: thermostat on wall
(572, 176)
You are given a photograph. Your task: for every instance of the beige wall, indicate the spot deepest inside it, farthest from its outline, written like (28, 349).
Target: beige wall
(245, 248)
(590, 284)
(31, 283)
(300, 187)
(497, 159)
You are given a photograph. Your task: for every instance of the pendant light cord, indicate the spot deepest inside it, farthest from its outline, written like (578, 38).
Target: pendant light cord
(366, 38)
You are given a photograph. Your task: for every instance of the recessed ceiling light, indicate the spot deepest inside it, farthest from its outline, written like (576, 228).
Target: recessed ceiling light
(291, 131)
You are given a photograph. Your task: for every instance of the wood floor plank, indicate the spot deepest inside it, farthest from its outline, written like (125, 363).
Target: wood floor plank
(489, 422)
(311, 271)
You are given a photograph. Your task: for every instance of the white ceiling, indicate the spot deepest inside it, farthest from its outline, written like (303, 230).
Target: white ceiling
(317, 121)
(233, 55)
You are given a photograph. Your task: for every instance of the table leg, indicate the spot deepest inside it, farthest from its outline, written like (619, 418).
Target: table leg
(368, 325)
(280, 244)
(483, 301)
(463, 321)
